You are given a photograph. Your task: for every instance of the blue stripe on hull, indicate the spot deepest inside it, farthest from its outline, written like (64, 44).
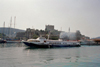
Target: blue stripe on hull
(48, 46)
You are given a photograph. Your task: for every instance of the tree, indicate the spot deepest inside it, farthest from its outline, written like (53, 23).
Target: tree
(35, 36)
(54, 37)
(2, 35)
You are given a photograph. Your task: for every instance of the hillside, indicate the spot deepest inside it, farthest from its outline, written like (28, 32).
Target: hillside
(96, 38)
(10, 31)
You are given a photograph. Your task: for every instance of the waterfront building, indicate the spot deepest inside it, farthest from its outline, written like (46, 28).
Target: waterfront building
(25, 35)
(29, 33)
(54, 34)
(49, 27)
(78, 35)
(20, 36)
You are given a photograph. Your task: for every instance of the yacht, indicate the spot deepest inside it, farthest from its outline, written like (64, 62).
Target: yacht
(42, 42)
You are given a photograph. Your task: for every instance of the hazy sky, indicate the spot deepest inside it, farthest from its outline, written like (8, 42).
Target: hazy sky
(83, 15)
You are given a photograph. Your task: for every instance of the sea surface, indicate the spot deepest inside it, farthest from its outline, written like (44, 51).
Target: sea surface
(19, 55)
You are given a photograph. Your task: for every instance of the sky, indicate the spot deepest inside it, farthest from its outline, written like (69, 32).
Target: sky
(83, 15)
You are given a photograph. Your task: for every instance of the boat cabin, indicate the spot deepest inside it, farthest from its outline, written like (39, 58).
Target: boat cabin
(39, 39)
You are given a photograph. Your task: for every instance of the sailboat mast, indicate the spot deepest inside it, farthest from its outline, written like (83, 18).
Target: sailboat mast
(10, 27)
(14, 21)
(3, 30)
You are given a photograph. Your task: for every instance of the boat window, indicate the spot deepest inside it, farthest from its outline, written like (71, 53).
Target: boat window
(36, 41)
(33, 41)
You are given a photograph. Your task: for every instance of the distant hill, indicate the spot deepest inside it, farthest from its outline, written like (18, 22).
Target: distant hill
(96, 38)
(10, 31)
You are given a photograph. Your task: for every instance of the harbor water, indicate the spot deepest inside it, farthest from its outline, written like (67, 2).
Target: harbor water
(19, 55)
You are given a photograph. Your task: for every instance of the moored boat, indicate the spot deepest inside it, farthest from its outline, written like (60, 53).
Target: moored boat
(16, 41)
(42, 42)
(2, 41)
(13, 40)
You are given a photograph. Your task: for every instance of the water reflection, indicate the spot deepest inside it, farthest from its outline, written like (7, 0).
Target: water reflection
(21, 56)
(50, 55)
(2, 45)
(33, 48)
